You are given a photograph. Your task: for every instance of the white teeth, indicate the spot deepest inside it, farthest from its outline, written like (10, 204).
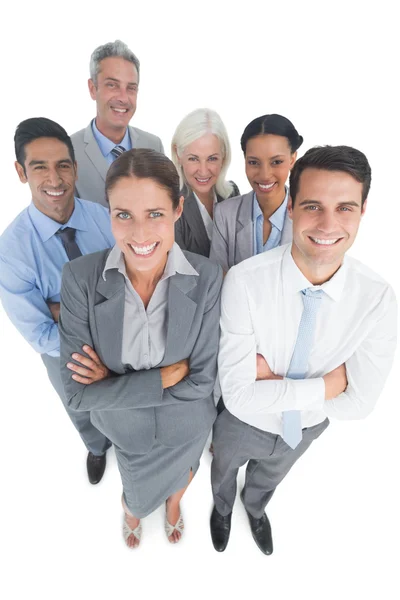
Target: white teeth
(266, 187)
(324, 242)
(143, 250)
(203, 180)
(54, 193)
(121, 110)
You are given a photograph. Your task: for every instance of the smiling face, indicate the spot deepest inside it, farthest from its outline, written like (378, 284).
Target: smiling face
(115, 95)
(142, 221)
(202, 161)
(268, 163)
(326, 216)
(51, 176)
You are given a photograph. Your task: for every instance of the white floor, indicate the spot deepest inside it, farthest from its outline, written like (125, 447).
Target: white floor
(335, 519)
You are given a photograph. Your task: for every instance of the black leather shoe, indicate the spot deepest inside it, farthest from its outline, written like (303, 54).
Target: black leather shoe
(261, 530)
(220, 530)
(96, 466)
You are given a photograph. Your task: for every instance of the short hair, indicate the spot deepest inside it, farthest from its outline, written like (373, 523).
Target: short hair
(275, 125)
(145, 163)
(118, 49)
(191, 128)
(344, 159)
(35, 128)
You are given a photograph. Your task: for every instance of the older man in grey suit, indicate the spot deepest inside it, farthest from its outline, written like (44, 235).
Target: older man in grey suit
(113, 84)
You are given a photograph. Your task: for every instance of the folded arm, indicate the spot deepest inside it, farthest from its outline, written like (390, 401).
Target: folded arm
(27, 309)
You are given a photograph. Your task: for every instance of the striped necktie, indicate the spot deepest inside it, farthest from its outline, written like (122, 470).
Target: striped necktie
(292, 433)
(117, 151)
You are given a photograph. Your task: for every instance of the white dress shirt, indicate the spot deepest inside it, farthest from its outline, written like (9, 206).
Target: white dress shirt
(260, 313)
(207, 220)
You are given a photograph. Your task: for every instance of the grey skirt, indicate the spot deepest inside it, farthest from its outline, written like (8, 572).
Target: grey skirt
(149, 479)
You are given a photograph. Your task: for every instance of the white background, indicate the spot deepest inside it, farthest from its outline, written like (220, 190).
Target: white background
(332, 68)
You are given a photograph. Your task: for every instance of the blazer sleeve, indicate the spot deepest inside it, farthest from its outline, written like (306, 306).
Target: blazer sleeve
(136, 389)
(219, 252)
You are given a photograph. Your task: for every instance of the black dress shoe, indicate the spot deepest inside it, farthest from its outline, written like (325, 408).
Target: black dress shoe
(96, 466)
(261, 530)
(220, 530)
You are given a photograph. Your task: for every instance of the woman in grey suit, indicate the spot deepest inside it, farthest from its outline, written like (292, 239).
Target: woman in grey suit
(151, 314)
(258, 221)
(201, 152)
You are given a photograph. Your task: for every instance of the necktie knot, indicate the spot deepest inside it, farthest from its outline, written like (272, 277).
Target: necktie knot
(312, 293)
(117, 151)
(67, 234)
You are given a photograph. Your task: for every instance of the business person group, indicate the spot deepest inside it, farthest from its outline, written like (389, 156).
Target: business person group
(154, 291)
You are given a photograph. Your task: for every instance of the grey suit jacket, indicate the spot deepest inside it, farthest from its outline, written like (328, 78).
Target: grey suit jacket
(130, 407)
(233, 234)
(190, 233)
(93, 167)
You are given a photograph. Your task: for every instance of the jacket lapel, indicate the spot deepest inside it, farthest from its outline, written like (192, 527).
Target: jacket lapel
(195, 222)
(181, 311)
(109, 318)
(93, 152)
(244, 229)
(287, 231)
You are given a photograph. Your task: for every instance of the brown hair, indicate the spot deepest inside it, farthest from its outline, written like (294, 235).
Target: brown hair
(144, 163)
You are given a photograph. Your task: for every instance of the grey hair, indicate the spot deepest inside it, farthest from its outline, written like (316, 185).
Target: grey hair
(118, 49)
(194, 126)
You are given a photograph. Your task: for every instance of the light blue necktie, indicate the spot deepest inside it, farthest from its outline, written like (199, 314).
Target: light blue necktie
(298, 367)
(117, 151)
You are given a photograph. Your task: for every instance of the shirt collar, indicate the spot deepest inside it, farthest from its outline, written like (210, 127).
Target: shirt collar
(277, 219)
(107, 145)
(176, 263)
(47, 227)
(199, 202)
(294, 281)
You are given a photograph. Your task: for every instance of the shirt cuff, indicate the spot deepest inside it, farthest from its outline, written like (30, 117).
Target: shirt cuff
(307, 393)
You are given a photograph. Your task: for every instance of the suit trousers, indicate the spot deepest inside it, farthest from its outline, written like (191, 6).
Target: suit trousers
(268, 456)
(94, 441)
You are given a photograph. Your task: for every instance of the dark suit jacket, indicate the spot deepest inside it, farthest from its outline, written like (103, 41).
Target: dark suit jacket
(130, 407)
(190, 233)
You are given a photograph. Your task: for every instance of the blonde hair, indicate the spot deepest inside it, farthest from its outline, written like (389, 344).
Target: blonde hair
(191, 128)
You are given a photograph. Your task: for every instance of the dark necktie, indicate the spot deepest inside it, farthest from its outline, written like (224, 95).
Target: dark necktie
(67, 236)
(117, 151)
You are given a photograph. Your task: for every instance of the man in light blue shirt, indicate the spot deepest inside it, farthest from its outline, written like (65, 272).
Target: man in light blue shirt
(114, 86)
(54, 228)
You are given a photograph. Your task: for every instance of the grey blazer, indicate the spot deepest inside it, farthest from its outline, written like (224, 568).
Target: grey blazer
(233, 235)
(131, 406)
(93, 167)
(190, 233)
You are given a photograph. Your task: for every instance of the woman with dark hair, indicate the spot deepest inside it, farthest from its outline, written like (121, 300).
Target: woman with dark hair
(150, 311)
(258, 221)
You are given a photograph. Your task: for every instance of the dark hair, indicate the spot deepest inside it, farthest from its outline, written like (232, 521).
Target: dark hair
(144, 163)
(274, 124)
(38, 127)
(333, 158)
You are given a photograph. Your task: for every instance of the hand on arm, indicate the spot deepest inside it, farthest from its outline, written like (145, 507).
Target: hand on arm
(335, 382)
(55, 310)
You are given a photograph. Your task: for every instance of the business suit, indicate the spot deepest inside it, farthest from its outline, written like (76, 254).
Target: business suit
(233, 233)
(93, 167)
(190, 233)
(131, 406)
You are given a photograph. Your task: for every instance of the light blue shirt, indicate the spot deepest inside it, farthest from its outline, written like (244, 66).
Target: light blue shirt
(107, 145)
(31, 261)
(277, 220)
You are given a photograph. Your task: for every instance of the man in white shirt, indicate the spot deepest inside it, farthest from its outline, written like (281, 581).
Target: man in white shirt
(306, 334)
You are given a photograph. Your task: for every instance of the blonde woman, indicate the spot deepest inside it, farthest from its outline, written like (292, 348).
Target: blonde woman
(201, 152)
